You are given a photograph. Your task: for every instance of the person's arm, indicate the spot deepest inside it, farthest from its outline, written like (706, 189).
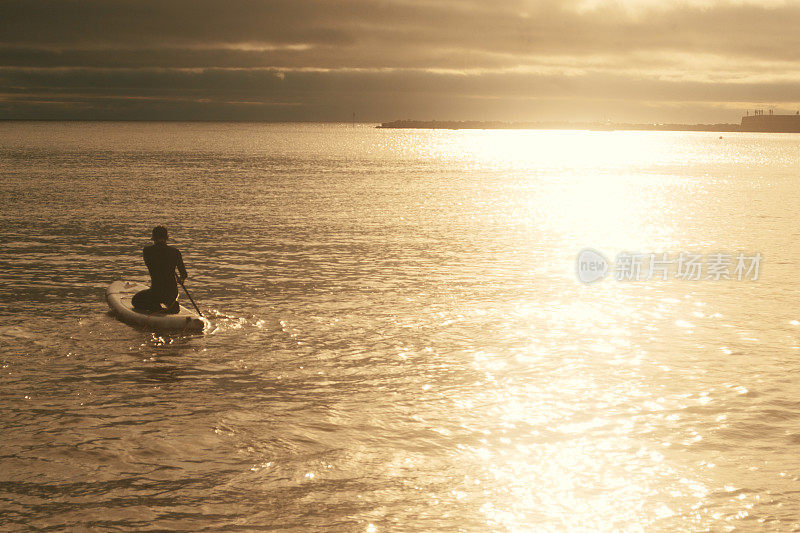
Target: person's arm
(181, 266)
(147, 261)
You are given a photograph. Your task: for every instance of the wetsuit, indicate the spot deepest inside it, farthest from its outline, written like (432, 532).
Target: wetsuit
(161, 261)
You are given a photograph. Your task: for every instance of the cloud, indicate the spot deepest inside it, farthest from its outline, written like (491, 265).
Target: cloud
(333, 95)
(396, 52)
(397, 26)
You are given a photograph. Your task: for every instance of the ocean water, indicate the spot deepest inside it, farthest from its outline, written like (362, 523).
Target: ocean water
(399, 341)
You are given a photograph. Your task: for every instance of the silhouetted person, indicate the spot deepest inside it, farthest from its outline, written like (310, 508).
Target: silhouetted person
(161, 261)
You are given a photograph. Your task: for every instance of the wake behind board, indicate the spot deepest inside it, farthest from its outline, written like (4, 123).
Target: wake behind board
(118, 296)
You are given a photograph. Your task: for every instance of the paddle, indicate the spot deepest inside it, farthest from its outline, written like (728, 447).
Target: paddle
(189, 295)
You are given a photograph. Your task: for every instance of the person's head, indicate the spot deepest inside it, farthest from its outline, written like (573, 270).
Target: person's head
(160, 234)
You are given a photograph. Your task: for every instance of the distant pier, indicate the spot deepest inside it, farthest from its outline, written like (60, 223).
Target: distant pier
(759, 121)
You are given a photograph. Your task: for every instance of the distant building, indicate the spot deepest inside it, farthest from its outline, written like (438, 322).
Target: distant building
(771, 123)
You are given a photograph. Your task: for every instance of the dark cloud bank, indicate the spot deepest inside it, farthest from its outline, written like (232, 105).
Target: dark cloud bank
(324, 60)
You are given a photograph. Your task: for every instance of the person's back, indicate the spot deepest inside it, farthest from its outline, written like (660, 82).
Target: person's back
(161, 261)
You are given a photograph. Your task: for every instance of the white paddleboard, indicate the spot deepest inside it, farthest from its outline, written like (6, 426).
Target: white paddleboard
(119, 294)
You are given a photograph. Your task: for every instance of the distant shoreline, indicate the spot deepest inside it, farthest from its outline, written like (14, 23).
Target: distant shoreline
(592, 126)
(750, 124)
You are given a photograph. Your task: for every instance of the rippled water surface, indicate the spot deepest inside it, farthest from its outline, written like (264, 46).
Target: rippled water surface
(399, 340)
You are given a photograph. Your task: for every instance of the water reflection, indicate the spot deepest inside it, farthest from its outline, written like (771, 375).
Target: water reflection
(399, 339)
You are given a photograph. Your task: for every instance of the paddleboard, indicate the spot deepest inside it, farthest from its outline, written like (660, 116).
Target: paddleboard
(118, 296)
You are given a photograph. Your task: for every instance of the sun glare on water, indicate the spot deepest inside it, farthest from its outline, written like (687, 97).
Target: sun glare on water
(566, 444)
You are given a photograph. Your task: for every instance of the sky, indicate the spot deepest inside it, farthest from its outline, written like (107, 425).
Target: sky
(693, 61)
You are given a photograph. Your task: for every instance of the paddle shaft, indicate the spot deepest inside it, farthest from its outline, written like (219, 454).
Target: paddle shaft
(189, 295)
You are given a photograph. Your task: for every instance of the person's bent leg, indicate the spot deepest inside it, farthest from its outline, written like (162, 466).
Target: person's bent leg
(170, 302)
(144, 301)
(174, 308)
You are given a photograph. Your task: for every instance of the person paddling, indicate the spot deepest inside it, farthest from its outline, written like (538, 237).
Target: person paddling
(161, 261)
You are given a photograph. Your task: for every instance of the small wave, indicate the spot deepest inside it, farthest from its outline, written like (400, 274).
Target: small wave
(221, 321)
